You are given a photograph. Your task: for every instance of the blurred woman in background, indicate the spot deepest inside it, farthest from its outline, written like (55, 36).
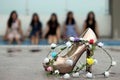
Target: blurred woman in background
(70, 28)
(14, 31)
(90, 22)
(35, 29)
(52, 31)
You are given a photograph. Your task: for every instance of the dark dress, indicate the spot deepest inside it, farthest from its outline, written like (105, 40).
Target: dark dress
(36, 28)
(52, 29)
(92, 26)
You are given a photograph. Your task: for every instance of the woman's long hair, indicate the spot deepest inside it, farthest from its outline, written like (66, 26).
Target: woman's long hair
(10, 20)
(67, 19)
(50, 22)
(33, 22)
(88, 18)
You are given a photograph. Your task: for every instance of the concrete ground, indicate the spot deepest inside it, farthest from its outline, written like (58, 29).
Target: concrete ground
(27, 65)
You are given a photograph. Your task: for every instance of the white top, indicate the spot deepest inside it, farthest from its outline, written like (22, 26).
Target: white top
(14, 27)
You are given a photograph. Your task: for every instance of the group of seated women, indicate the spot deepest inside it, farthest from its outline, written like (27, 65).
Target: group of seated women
(52, 32)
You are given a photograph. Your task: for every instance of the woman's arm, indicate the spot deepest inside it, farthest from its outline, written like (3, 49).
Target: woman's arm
(46, 31)
(77, 30)
(96, 30)
(58, 33)
(6, 33)
(84, 27)
(20, 28)
(64, 31)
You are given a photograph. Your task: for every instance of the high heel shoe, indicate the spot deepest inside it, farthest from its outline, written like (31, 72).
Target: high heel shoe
(73, 55)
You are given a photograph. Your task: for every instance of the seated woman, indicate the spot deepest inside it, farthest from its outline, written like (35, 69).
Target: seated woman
(70, 28)
(14, 31)
(90, 22)
(35, 29)
(52, 31)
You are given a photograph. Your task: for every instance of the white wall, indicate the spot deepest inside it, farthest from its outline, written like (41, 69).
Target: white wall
(104, 22)
(57, 6)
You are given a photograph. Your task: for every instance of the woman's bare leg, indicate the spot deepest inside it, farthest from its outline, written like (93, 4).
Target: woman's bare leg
(50, 39)
(37, 39)
(18, 40)
(58, 35)
(55, 40)
(33, 40)
(10, 40)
